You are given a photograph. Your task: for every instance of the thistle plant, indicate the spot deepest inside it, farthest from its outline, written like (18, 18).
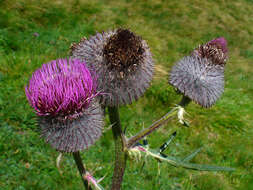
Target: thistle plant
(63, 95)
(125, 68)
(112, 69)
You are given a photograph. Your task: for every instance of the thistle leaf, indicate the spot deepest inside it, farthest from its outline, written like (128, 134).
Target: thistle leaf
(179, 163)
(192, 155)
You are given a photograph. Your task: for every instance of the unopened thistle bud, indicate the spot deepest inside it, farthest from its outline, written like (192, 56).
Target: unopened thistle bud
(200, 76)
(122, 61)
(63, 94)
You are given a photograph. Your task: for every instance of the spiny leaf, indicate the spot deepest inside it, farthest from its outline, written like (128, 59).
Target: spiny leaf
(192, 155)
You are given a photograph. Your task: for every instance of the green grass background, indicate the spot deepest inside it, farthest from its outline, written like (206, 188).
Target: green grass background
(172, 29)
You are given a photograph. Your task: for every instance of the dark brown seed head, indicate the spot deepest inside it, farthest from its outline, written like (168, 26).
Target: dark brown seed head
(123, 52)
(123, 63)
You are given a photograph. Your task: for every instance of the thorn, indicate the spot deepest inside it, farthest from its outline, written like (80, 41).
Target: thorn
(166, 144)
(174, 134)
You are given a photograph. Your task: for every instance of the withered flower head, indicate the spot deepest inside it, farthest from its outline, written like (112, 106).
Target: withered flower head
(122, 61)
(63, 94)
(200, 76)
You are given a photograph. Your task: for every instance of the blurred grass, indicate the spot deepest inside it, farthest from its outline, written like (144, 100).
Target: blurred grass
(34, 32)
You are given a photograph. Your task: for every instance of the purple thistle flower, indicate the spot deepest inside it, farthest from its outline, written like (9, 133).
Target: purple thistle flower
(63, 92)
(200, 76)
(123, 62)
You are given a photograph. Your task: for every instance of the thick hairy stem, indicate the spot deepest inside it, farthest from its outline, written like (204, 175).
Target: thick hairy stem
(120, 155)
(133, 140)
(81, 169)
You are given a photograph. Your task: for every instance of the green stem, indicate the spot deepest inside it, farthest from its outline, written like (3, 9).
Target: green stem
(133, 140)
(81, 169)
(120, 155)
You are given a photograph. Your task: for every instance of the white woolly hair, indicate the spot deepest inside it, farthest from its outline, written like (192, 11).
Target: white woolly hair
(74, 135)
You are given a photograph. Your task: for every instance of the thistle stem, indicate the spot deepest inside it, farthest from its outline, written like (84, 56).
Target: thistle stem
(120, 155)
(133, 140)
(81, 169)
(184, 101)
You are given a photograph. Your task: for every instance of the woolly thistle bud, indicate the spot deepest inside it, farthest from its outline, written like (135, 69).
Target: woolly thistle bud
(62, 92)
(201, 75)
(122, 61)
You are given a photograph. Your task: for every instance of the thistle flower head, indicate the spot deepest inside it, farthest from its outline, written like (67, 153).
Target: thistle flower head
(200, 76)
(62, 93)
(122, 61)
(215, 50)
